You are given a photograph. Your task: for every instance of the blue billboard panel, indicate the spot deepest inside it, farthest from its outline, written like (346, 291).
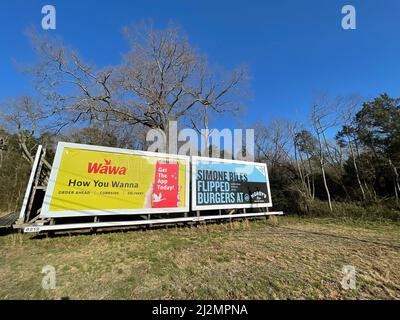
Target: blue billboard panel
(226, 184)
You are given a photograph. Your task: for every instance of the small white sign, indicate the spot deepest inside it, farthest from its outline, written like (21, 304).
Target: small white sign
(31, 229)
(199, 219)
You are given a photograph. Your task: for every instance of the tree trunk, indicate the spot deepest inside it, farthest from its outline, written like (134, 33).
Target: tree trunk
(303, 183)
(206, 133)
(395, 180)
(326, 186)
(312, 179)
(356, 168)
(306, 185)
(371, 193)
(321, 161)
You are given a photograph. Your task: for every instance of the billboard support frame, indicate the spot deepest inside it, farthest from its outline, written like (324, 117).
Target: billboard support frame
(38, 180)
(190, 213)
(165, 221)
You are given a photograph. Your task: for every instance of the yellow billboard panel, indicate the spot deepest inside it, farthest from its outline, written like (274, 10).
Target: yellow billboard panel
(90, 180)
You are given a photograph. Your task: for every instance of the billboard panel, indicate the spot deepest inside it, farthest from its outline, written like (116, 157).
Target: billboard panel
(91, 180)
(229, 184)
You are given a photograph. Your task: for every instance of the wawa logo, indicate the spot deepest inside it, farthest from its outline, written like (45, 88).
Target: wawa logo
(106, 168)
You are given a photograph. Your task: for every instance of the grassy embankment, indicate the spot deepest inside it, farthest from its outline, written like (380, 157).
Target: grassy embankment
(289, 258)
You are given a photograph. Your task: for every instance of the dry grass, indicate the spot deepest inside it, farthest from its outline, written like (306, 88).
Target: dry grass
(287, 258)
(3, 213)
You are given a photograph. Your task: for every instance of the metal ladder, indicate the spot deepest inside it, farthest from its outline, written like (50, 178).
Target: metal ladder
(36, 188)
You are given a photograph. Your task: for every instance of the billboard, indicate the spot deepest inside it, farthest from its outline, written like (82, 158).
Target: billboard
(229, 184)
(91, 181)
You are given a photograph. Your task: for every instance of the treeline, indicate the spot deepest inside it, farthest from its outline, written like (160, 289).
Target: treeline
(18, 148)
(14, 171)
(345, 162)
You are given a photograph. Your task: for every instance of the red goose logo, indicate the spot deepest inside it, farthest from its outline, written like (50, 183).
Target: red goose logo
(106, 168)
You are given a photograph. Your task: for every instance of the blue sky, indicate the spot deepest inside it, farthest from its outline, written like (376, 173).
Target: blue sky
(295, 49)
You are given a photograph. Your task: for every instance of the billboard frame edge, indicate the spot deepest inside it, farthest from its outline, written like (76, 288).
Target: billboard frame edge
(193, 167)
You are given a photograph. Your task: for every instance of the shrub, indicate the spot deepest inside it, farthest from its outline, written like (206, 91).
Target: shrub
(354, 210)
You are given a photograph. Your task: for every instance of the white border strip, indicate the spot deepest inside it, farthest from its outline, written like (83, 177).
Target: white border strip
(46, 213)
(33, 228)
(195, 207)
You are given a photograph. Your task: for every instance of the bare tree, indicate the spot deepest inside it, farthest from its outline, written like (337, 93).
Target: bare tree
(299, 163)
(305, 146)
(166, 79)
(162, 78)
(347, 136)
(74, 91)
(272, 142)
(23, 116)
(106, 134)
(322, 120)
